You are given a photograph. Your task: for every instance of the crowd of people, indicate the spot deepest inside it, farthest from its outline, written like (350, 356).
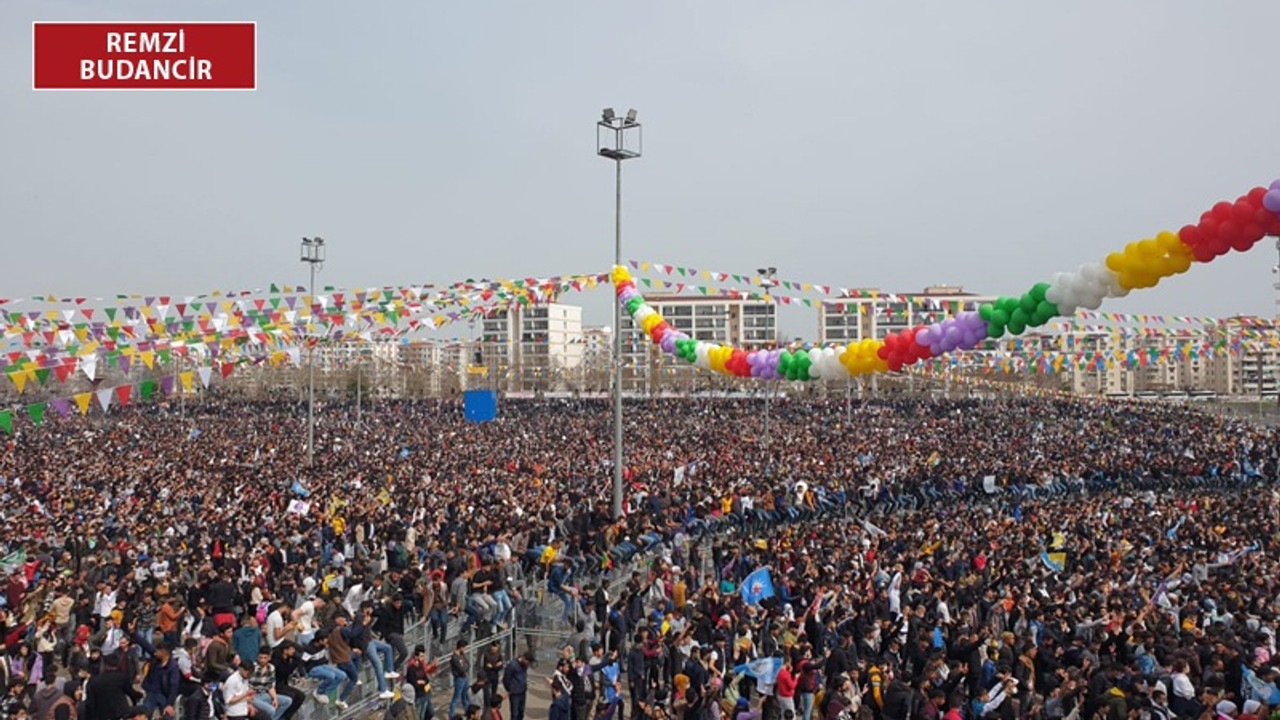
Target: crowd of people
(965, 559)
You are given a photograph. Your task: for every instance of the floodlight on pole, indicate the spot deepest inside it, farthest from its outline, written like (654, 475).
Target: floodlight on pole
(312, 253)
(618, 139)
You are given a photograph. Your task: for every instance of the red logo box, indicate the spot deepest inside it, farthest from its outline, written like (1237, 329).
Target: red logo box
(144, 56)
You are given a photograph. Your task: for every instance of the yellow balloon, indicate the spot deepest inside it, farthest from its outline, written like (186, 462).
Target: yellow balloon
(649, 322)
(1118, 262)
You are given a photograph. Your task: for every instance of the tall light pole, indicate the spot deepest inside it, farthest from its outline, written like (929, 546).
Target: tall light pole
(312, 254)
(768, 280)
(618, 139)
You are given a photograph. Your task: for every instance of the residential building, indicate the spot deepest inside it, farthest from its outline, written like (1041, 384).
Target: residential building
(722, 319)
(876, 314)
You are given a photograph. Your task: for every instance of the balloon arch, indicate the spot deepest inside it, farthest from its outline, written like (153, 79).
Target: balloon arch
(1228, 226)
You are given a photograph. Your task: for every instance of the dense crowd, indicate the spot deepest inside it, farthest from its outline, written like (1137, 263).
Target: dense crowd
(966, 559)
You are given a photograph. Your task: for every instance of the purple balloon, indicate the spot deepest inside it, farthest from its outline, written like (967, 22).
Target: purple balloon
(1275, 185)
(627, 295)
(1271, 200)
(925, 337)
(668, 344)
(953, 336)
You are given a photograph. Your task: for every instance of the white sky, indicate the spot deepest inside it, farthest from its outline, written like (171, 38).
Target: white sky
(986, 144)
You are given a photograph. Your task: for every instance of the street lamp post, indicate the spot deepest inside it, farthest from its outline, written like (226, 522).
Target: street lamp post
(312, 253)
(767, 280)
(618, 139)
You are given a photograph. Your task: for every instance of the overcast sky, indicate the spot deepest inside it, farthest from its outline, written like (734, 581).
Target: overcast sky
(887, 144)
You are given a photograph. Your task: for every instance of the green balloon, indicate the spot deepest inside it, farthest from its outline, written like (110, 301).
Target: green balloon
(784, 362)
(1007, 304)
(1027, 303)
(995, 330)
(1000, 317)
(1048, 309)
(1038, 290)
(1016, 327)
(634, 304)
(985, 310)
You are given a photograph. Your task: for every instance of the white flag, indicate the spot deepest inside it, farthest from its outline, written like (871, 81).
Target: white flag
(89, 364)
(679, 478)
(104, 398)
(205, 374)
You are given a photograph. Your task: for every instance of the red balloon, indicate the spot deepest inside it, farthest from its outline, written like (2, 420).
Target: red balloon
(1241, 244)
(1243, 212)
(1230, 231)
(895, 364)
(1272, 226)
(1203, 253)
(1222, 211)
(1253, 232)
(624, 285)
(1190, 236)
(1255, 196)
(882, 352)
(1209, 229)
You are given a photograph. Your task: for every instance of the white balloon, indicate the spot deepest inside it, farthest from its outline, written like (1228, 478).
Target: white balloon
(644, 312)
(1092, 302)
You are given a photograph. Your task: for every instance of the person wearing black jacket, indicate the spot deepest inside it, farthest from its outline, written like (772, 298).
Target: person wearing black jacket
(389, 623)
(515, 680)
(162, 684)
(108, 696)
(286, 661)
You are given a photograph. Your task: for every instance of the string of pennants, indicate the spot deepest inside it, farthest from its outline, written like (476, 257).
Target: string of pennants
(118, 395)
(49, 345)
(396, 310)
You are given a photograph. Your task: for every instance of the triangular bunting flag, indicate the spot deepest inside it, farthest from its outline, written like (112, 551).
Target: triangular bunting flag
(205, 375)
(185, 379)
(104, 399)
(123, 393)
(6, 421)
(19, 379)
(36, 412)
(82, 402)
(147, 388)
(62, 406)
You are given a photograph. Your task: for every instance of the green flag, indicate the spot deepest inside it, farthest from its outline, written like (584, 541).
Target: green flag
(148, 389)
(6, 421)
(36, 412)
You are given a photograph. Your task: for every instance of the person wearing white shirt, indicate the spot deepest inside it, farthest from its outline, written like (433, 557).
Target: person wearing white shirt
(159, 568)
(280, 625)
(237, 693)
(355, 596)
(306, 617)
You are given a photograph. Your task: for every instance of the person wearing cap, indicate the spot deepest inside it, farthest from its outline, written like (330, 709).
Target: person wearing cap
(1226, 710)
(515, 681)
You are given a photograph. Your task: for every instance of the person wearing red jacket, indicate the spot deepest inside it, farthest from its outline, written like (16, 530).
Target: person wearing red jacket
(786, 686)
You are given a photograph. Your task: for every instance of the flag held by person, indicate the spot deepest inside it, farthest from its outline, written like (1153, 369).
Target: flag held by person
(764, 670)
(299, 489)
(757, 586)
(1056, 561)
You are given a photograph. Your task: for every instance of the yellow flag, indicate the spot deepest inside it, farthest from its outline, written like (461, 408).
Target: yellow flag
(148, 358)
(82, 402)
(20, 379)
(186, 381)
